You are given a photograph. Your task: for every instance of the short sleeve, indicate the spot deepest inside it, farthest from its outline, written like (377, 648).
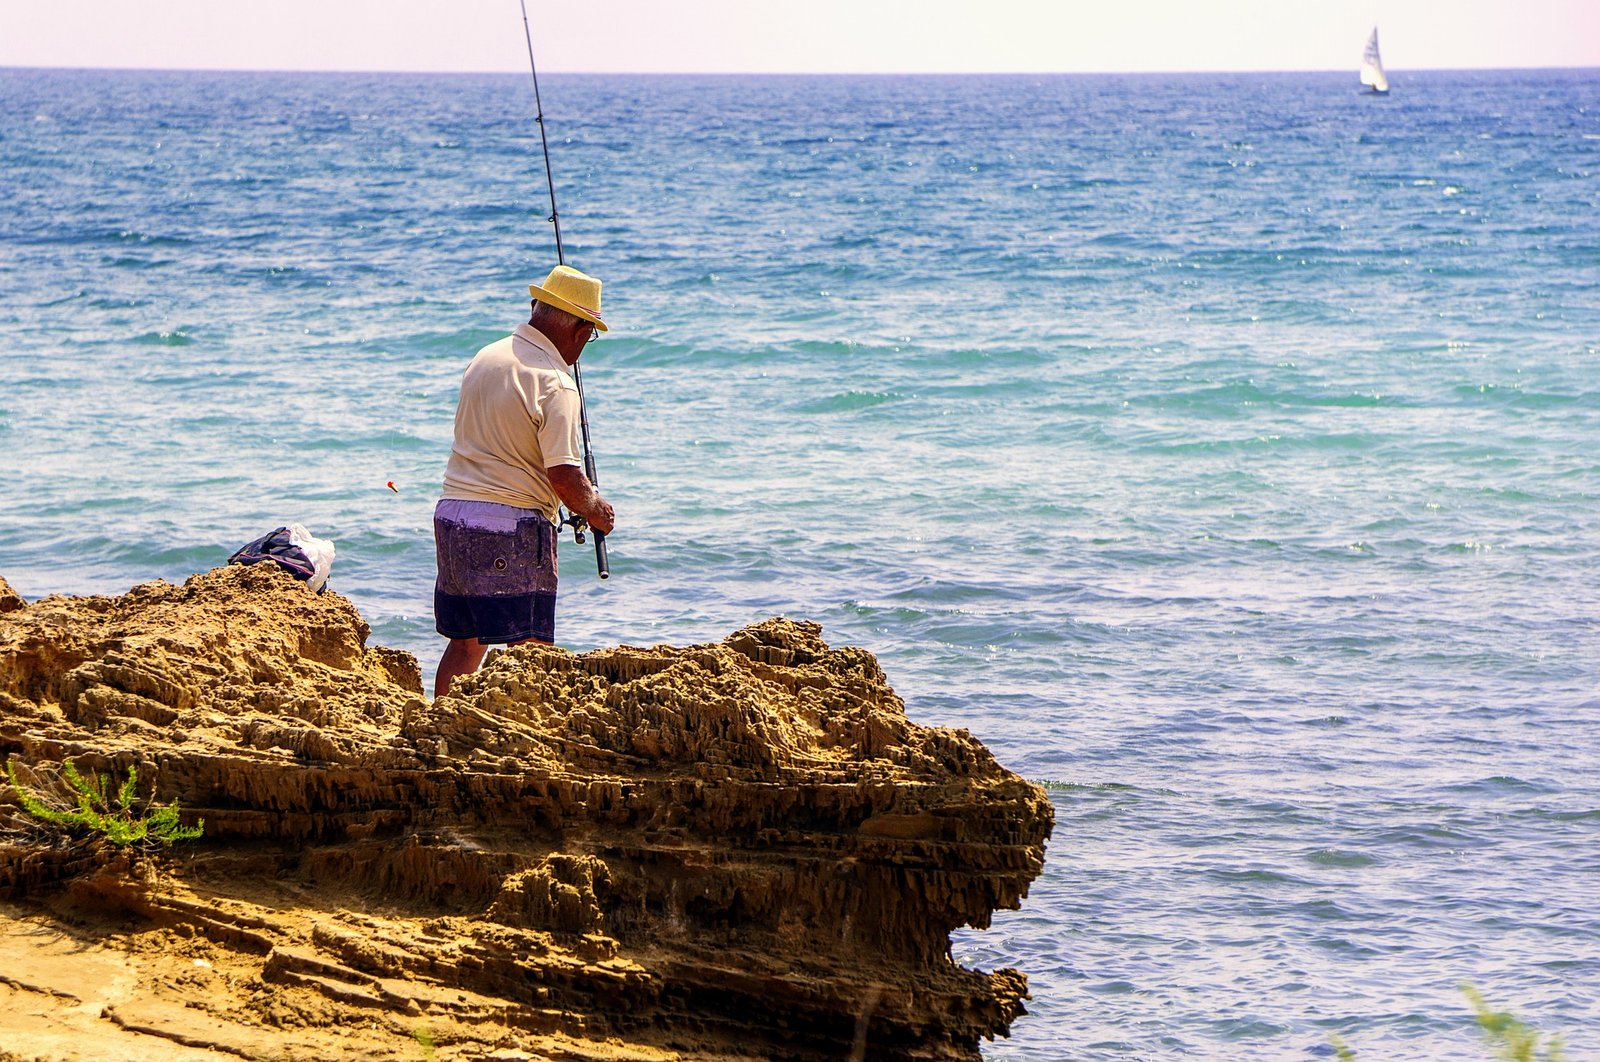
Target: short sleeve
(558, 436)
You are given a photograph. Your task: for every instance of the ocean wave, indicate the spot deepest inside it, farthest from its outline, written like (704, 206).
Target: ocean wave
(847, 402)
(176, 337)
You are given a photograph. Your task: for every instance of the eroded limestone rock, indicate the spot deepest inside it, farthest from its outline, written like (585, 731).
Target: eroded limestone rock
(738, 850)
(10, 600)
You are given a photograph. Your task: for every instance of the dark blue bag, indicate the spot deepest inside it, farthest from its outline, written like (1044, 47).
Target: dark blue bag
(283, 547)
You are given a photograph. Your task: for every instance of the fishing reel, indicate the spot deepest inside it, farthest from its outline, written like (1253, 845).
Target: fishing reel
(578, 524)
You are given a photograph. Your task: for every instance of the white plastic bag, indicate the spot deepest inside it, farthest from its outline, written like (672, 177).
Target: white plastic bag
(319, 551)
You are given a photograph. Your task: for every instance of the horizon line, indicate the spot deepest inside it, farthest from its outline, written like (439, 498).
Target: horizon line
(777, 73)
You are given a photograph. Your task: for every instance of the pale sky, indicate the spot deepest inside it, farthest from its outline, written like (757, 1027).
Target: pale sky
(816, 36)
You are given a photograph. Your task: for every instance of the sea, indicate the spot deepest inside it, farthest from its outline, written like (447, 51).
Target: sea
(1223, 450)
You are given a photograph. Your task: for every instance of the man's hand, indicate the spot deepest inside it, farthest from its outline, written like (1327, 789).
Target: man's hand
(579, 495)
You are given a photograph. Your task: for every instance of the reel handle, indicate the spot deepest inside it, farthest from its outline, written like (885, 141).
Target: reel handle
(577, 523)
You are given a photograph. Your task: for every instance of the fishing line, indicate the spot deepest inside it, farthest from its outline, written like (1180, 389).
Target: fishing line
(602, 561)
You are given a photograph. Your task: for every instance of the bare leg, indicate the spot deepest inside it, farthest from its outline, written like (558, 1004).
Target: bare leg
(461, 657)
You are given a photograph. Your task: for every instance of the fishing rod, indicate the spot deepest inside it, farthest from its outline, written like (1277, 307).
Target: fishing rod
(578, 523)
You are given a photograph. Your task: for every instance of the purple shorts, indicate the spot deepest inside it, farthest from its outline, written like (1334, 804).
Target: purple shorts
(497, 572)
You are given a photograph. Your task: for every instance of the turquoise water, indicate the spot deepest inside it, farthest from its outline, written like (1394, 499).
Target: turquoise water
(1223, 450)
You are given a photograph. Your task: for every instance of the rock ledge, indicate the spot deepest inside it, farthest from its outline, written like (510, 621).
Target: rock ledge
(731, 851)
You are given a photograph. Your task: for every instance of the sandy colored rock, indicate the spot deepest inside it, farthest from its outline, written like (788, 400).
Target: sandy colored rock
(10, 600)
(737, 850)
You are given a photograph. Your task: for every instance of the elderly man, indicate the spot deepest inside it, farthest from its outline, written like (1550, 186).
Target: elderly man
(516, 459)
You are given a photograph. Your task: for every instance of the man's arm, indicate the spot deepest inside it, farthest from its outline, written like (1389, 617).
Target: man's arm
(579, 495)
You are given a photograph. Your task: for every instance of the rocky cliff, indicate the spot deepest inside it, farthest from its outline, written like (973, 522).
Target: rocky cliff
(733, 851)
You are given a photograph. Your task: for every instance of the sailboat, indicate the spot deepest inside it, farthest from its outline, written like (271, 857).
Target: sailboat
(1372, 74)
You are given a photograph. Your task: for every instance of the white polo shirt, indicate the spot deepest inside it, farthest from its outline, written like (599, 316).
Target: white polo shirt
(517, 416)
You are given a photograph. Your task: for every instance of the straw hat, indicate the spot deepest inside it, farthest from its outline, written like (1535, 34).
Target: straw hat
(577, 293)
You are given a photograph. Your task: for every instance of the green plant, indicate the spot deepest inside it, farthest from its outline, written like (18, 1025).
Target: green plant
(101, 811)
(1516, 1041)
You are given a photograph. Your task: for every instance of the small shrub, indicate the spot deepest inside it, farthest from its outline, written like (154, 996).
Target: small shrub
(108, 814)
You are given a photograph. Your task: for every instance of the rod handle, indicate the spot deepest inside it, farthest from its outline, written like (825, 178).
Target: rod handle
(600, 557)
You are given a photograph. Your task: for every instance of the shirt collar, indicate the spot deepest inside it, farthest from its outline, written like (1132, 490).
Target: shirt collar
(529, 334)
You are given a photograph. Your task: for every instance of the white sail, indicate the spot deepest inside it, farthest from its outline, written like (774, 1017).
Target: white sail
(1372, 74)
